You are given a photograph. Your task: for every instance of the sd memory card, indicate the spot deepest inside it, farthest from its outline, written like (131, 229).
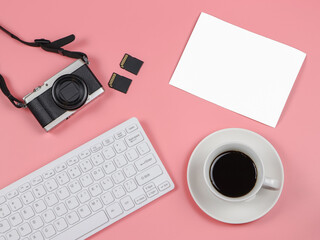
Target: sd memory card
(131, 64)
(119, 82)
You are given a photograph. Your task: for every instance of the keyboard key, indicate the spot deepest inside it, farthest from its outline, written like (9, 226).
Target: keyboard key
(134, 139)
(95, 205)
(63, 178)
(15, 204)
(27, 198)
(148, 175)
(72, 203)
(86, 180)
(84, 227)
(118, 192)
(131, 128)
(63, 193)
(108, 141)
(27, 213)
(48, 231)
(95, 190)
(129, 170)
(148, 187)
(140, 199)
(84, 154)
(13, 235)
(108, 153)
(51, 185)
(36, 223)
(143, 148)
(74, 171)
(97, 174)
(72, 161)
(60, 209)
(24, 187)
(51, 199)
(118, 177)
(107, 198)
(130, 185)
(85, 165)
(60, 224)
(152, 192)
(106, 183)
(15, 219)
(114, 210)
(84, 196)
(36, 180)
(120, 134)
(145, 162)
(60, 167)
(84, 211)
(2, 199)
(97, 159)
(72, 218)
(4, 226)
(132, 154)
(48, 174)
(109, 167)
(74, 187)
(119, 146)
(39, 191)
(36, 236)
(48, 216)
(97, 147)
(39, 206)
(127, 203)
(120, 161)
(24, 229)
(12, 194)
(164, 185)
(4, 210)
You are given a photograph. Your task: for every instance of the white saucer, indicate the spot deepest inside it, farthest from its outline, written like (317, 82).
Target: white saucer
(234, 212)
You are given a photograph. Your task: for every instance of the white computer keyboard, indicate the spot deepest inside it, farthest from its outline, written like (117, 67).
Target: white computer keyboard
(85, 190)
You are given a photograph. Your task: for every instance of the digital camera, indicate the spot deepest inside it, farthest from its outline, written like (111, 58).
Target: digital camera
(63, 94)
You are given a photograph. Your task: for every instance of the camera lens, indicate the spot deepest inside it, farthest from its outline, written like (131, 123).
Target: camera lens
(69, 92)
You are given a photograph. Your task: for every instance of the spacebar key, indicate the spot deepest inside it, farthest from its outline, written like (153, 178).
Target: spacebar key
(83, 227)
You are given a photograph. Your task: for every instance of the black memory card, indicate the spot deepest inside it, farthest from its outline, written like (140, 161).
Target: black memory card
(119, 82)
(131, 64)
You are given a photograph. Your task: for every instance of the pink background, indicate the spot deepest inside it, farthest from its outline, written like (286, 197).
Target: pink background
(156, 32)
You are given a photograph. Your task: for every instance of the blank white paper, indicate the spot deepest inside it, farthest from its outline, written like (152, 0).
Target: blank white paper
(237, 69)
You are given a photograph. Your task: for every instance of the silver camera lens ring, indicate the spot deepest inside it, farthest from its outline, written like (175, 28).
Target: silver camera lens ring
(69, 92)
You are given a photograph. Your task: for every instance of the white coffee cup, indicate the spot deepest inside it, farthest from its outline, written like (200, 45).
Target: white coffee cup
(262, 181)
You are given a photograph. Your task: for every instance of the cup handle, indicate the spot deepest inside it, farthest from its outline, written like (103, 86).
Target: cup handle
(272, 184)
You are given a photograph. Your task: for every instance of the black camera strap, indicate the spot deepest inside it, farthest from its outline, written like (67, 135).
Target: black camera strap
(55, 47)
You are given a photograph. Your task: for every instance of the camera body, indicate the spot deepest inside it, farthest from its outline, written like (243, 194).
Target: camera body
(63, 94)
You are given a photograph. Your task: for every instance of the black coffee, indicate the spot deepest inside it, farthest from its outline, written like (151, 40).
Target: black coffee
(233, 174)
